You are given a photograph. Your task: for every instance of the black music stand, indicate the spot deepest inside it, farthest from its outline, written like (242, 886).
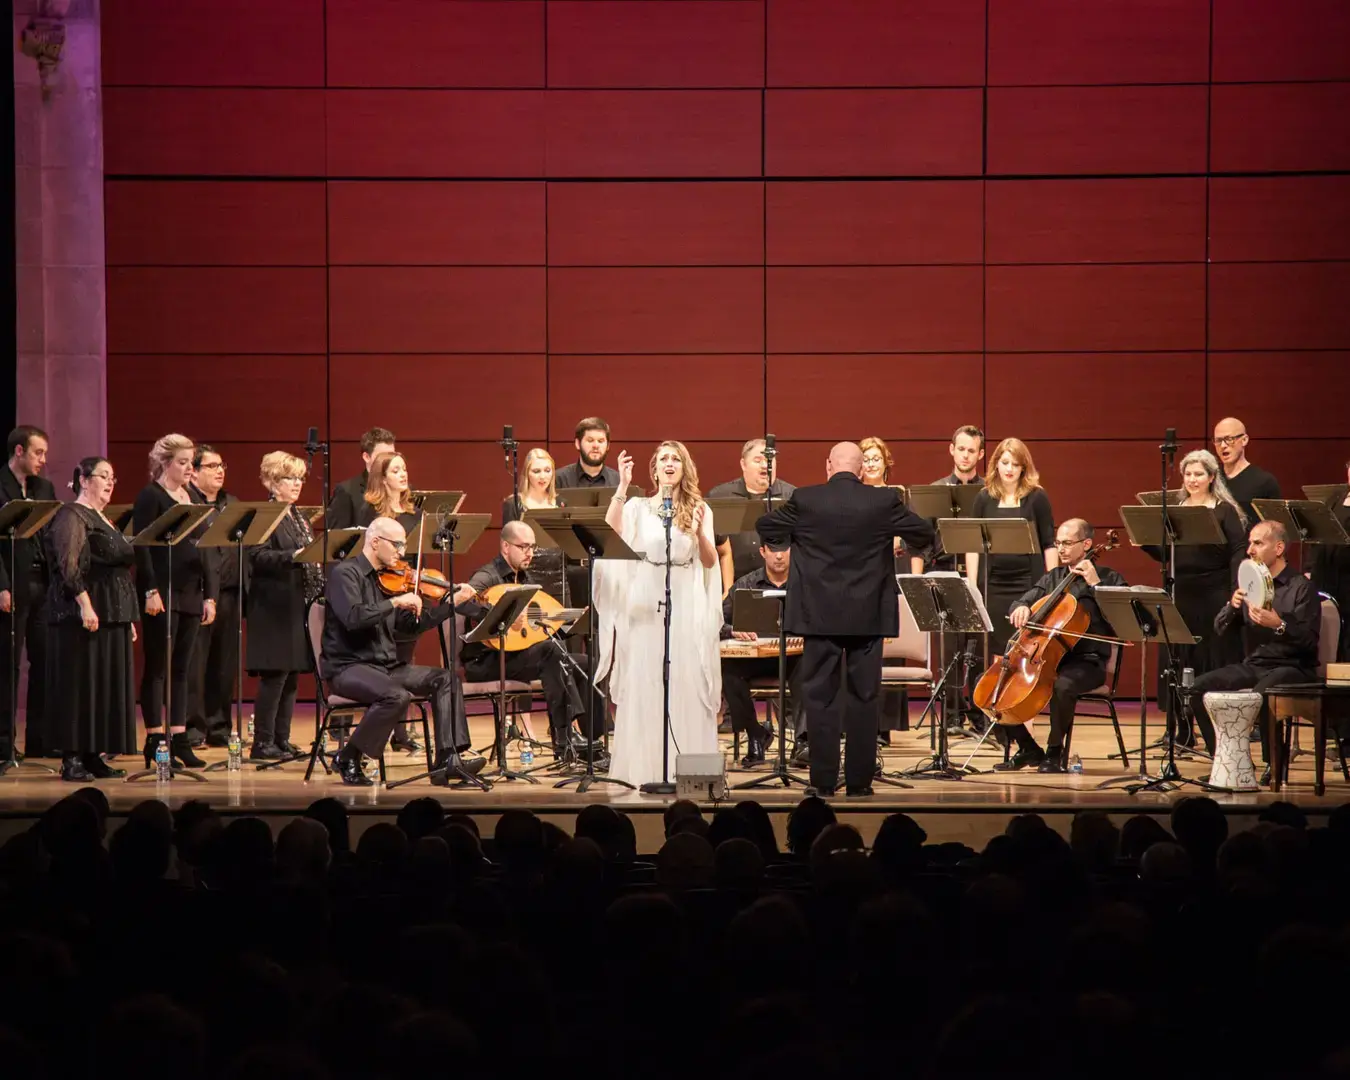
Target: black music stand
(1330, 494)
(592, 496)
(584, 535)
(20, 519)
(241, 525)
(437, 502)
(759, 611)
(942, 603)
(494, 626)
(936, 501)
(1305, 521)
(169, 530)
(121, 515)
(451, 535)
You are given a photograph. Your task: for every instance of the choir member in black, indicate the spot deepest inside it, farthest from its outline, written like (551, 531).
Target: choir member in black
(739, 672)
(543, 660)
(348, 506)
(1331, 571)
(1084, 668)
(590, 470)
(92, 614)
(195, 584)
(215, 657)
(360, 660)
(1245, 480)
(1205, 575)
(967, 451)
(280, 592)
(1279, 643)
(739, 554)
(1012, 489)
(23, 589)
(843, 600)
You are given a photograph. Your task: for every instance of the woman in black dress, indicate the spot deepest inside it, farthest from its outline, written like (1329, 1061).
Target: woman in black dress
(280, 592)
(195, 582)
(877, 463)
(91, 608)
(1012, 489)
(1205, 574)
(1331, 571)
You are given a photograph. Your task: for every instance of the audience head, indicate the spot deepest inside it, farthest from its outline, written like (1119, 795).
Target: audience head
(332, 815)
(805, 822)
(303, 854)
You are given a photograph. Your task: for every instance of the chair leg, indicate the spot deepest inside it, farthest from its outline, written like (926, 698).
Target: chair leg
(381, 760)
(324, 718)
(426, 736)
(1120, 738)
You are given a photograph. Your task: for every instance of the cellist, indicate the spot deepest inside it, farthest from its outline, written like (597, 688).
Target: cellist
(1084, 668)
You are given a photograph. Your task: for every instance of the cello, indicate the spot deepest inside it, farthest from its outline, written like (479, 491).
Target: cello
(1018, 684)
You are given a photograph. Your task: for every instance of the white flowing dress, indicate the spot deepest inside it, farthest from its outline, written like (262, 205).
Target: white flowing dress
(628, 595)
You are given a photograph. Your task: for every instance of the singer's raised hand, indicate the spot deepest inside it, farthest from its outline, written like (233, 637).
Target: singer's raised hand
(625, 471)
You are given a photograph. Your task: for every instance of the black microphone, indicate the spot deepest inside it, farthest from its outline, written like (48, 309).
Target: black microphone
(1170, 440)
(312, 443)
(508, 437)
(769, 444)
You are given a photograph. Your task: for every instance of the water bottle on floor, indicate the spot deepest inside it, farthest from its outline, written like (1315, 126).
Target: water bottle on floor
(235, 748)
(526, 753)
(163, 764)
(1076, 765)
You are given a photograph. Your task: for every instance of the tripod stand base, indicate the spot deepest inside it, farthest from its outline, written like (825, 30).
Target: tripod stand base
(174, 773)
(935, 769)
(585, 780)
(21, 762)
(774, 775)
(451, 769)
(503, 773)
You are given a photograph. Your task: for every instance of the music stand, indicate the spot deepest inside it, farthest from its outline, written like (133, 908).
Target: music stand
(494, 626)
(592, 496)
(437, 502)
(732, 516)
(936, 501)
(1142, 615)
(1155, 498)
(1331, 494)
(20, 519)
(1306, 521)
(757, 610)
(942, 603)
(985, 537)
(453, 534)
(121, 515)
(584, 535)
(240, 525)
(169, 530)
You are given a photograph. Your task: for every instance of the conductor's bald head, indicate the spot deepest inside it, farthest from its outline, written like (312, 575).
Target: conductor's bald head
(844, 457)
(383, 537)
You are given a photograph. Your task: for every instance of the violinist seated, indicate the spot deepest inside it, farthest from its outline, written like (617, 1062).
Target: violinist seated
(543, 661)
(1084, 668)
(359, 654)
(739, 672)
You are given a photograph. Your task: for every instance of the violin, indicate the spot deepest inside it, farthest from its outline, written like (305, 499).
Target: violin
(1018, 685)
(403, 578)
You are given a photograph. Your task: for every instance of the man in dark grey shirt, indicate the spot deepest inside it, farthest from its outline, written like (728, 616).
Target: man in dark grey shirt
(1245, 480)
(739, 554)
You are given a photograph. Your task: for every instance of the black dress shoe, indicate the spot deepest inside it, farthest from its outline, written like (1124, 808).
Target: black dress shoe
(1052, 764)
(290, 749)
(405, 743)
(196, 738)
(265, 752)
(218, 740)
(855, 792)
(1021, 760)
(182, 752)
(766, 740)
(350, 772)
(99, 769)
(820, 792)
(73, 770)
(754, 754)
(1265, 777)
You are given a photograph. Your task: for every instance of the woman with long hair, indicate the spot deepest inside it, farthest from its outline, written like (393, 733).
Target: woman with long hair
(630, 598)
(280, 592)
(1205, 576)
(538, 487)
(195, 582)
(91, 609)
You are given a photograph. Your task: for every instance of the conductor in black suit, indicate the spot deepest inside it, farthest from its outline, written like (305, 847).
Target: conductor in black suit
(842, 599)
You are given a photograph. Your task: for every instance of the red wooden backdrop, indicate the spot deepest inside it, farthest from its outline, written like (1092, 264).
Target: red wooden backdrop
(1076, 223)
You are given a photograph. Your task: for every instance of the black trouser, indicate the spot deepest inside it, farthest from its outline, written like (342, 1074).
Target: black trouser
(156, 664)
(841, 678)
(737, 675)
(28, 617)
(387, 695)
(273, 704)
(215, 663)
(1076, 676)
(1244, 676)
(544, 662)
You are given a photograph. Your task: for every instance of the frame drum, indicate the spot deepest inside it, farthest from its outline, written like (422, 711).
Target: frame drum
(1255, 580)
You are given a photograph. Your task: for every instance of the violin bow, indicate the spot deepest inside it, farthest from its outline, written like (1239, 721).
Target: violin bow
(417, 576)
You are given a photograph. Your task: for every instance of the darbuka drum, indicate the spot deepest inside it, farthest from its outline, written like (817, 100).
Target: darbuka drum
(1255, 580)
(1234, 714)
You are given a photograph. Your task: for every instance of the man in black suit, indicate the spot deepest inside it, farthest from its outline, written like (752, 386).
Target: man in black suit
(23, 588)
(842, 600)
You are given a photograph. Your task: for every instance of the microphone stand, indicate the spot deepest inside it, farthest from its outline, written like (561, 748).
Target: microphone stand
(510, 455)
(312, 445)
(665, 786)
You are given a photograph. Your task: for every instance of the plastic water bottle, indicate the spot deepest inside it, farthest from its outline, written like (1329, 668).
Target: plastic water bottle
(250, 727)
(526, 753)
(1076, 764)
(235, 749)
(163, 764)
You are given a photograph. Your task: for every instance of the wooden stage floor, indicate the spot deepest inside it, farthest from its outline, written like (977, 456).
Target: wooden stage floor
(970, 809)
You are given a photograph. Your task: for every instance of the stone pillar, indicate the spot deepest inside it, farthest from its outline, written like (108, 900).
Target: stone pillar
(62, 333)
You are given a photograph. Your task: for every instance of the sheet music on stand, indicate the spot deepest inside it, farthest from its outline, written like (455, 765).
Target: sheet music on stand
(1189, 524)
(593, 496)
(1305, 520)
(1331, 494)
(1155, 498)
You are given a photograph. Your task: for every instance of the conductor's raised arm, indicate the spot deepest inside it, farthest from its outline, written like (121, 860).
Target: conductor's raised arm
(915, 531)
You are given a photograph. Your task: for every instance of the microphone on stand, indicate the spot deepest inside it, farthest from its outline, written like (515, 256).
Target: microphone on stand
(667, 511)
(312, 444)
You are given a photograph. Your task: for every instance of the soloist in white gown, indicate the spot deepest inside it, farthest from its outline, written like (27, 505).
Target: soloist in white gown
(632, 641)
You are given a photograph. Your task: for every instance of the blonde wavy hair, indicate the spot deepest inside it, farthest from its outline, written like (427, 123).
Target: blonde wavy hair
(1028, 482)
(164, 452)
(377, 495)
(538, 453)
(278, 466)
(1218, 486)
(686, 495)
